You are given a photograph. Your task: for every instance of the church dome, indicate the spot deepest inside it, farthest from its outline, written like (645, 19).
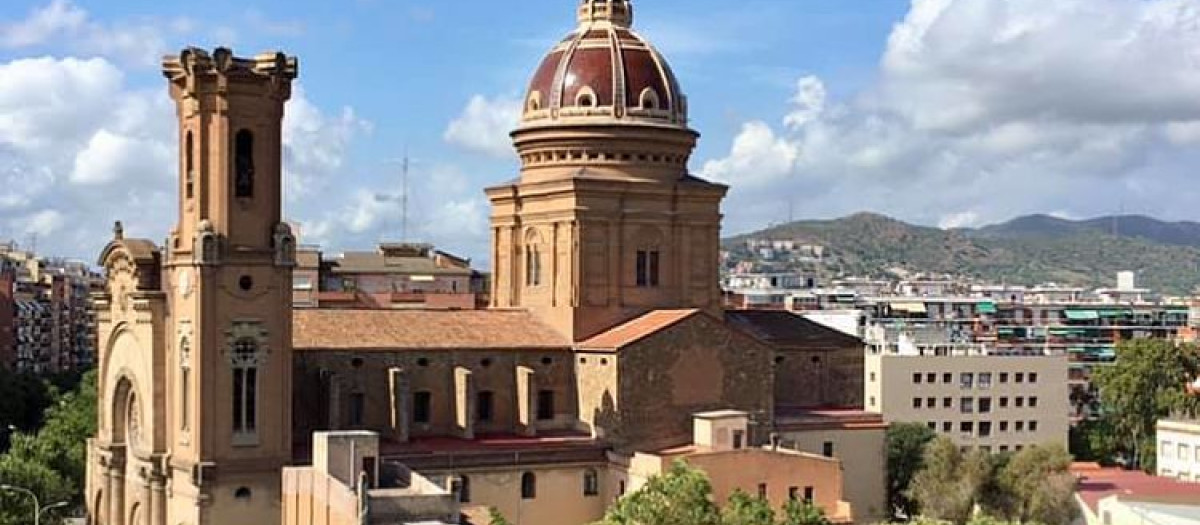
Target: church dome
(604, 73)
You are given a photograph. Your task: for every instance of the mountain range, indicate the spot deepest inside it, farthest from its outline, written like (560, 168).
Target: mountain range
(1028, 250)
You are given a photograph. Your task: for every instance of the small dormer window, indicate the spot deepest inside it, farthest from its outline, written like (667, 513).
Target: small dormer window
(586, 98)
(535, 101)
(649, 100)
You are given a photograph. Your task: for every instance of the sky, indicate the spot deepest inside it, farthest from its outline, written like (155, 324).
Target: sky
(940, 112)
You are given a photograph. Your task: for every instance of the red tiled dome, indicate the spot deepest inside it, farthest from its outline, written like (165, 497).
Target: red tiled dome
(604, 71)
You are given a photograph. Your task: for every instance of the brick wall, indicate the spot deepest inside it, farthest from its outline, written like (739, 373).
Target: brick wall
(819, 377)
(326, 381)
(697, 365)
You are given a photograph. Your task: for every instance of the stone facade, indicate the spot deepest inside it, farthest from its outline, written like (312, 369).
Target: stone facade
(606, 333)
(331, 384)
(195, 368)
(696, 365)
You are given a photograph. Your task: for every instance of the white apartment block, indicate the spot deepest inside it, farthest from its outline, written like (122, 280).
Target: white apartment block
(994, 403)
(1179, 449)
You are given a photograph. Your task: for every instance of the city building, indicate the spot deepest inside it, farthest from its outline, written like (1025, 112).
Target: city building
(605, 345)
(1114, 496)
(1179, 449)
(395, 275)
(46, 319)
(993, 403)
(8, 320)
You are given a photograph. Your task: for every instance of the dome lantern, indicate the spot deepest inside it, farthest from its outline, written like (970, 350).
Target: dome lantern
(617, 12)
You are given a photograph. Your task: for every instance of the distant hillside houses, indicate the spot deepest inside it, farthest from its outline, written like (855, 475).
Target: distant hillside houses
(771, 249)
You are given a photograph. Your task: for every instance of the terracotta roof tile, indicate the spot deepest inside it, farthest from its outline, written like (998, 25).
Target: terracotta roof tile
(327, 329)
(632, 331)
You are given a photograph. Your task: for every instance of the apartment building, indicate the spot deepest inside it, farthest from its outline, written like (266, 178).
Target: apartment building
(46, 318)
(1179, 449)
(393, 276)
(994, 403)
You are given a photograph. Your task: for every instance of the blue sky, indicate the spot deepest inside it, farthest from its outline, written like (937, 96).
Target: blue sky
(950, 112)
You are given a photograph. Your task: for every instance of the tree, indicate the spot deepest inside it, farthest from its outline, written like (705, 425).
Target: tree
(905, 452)
(803, 513)
(1041, 485)
(51, 463)
(743, 509)
(495, 517)
(1143, 385)
(948, 485)
(1095, 440)
(681, 496)
(23, 470)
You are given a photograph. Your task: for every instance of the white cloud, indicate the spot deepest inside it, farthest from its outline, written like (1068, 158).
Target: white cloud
(59, 16)
(999, 108)
(44, 223)
(966, 219)
(757, 158)
(484, 125)
(316, 145)
(109, 157)
(61, 24)
(81, 149)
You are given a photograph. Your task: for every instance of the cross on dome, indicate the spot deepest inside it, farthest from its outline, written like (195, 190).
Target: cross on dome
(617, 12)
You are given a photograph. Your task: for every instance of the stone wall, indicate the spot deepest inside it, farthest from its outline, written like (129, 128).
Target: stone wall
(697, 365)
(328, 381)
(813, 378)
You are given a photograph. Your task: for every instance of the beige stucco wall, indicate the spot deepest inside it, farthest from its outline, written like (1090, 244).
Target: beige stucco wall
(864, 465)
(890, 391)
(747, 469)
(560, 499)
(1179, 450)
(311, 497)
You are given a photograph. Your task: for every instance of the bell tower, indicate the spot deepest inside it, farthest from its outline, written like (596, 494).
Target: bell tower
(227, 278)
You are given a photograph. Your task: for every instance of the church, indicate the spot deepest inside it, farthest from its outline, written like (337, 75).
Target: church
(605, 356)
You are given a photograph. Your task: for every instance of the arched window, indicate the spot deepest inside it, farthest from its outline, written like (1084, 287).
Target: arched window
(528, 485)
(463, 488)
(649, 99)
(422, 407)
(484, 405)
(243, 185)
(245, 386)
(185, 370)
(586, 97)
(533, 259)
(535, 101)
(591, 482)
(189, 165)
(648, 258)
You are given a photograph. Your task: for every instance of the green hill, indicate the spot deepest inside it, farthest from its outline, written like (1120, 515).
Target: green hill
(1029, 250)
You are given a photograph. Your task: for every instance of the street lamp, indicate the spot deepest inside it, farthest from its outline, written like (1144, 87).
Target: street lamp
(38, 509)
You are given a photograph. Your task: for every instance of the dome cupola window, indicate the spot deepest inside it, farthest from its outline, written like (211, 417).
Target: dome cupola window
(586, 98)
(649, 100)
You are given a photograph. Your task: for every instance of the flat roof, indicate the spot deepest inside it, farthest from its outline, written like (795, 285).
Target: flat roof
(1097, 483)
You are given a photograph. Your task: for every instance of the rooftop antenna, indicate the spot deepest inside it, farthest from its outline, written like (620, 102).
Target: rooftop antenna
(404, 198)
